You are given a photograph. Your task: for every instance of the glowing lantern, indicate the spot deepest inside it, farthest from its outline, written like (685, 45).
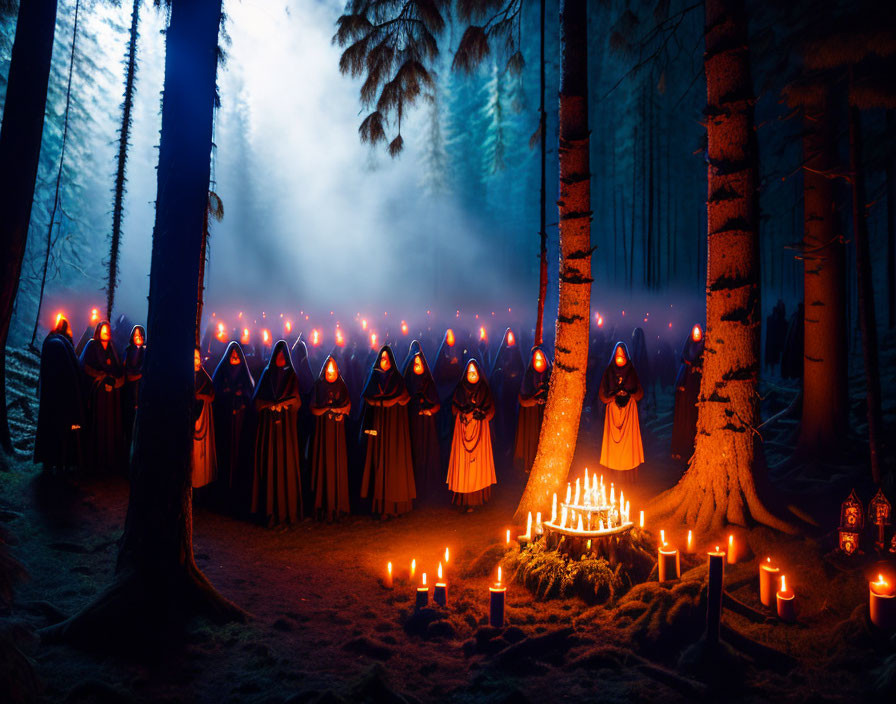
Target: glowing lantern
(511, 341)
(385, 362)
(340, 340)
(363, 323)
(105, 334)
(315, 337)
(696, 333)
(620, 356)
(539, 363)
(288, 327)
(449, 337)
(266, 337)
(94, 316)
(418, 365)
(482, 335)
(472, 373)
(245, 337)
(331, 373)
(404, 328)
(221, 334)
(373, 340)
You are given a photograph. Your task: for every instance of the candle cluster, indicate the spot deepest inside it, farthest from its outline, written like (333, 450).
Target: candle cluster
(591, 508)
(440, 589)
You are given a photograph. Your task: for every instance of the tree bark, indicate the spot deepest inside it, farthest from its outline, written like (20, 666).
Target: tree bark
(890, 171)
(719, 485)
(559, 431)
(825, 401)
(20, 139)
(865, 286)
(157, 581)
(542, 231)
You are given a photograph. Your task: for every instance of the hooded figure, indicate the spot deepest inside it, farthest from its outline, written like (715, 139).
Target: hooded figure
(792, 356)
(134, 354)
(471, 469)
(330, 405)
(60, 416)
(88, 333)
(277, 477)
(388, 466)
(664, 364)
(205, 466)
(533, 396)
(620, 390)
(687, 391)
(105, 449)
(302, 364)
(506, 379)
(775, 333)
(234, 387)
(446, 373)
(640, 357)
(422, 410)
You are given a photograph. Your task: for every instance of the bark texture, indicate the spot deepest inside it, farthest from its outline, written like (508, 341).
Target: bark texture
(718, 487)
(560, 429)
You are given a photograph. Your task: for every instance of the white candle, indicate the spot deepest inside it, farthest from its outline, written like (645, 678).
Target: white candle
(732, 558)
(563, 517)
(568, 493)
(538, 529)
(529, 526)
(641, 520)
(413, 567)
(577, 492)
(388, 581)
(554, 509)
(508, 537)
(580, 527)
(690, 541)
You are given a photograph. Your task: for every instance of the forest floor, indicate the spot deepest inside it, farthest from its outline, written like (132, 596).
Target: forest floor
(324, 629)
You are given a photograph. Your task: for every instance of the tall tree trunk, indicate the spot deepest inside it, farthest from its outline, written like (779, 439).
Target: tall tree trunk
(865, 287)
(559, 432)
(130, 82)
(542, 231)
(719, 486)
(891, 221)
(157, 581)
(68, 102)
(20, 138)
(825, 363)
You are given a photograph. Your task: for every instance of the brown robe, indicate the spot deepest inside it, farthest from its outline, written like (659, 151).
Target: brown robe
(621, 390)
(471, 468)
(330, 406)
(533, 395)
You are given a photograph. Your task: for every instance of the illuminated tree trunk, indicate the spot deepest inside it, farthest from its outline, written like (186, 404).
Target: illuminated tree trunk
(542, 231)
(20, 138)
(719, 487)
(559, 431)
(824, 370)
(157, 581)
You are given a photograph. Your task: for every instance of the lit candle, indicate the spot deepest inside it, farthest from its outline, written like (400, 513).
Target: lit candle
(440, 591)
(732, 558)
(413, 568)
(768, 581)
(714, 594)
(539, 530)
(668, 563)
(576, 502)
(508, 537)
(529, 526)
(786, 603)
(663, 537)
(580, 528)
(422, 593)
(388, 580)
(568, 493)
(563, 516)
(641, 520)
(446, 558)
(496, 603)
(883, 604)
(554, 509)
(690, 548)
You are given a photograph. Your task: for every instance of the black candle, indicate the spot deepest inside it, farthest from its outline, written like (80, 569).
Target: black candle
(422, 593)
(714, 595)
(496, 603)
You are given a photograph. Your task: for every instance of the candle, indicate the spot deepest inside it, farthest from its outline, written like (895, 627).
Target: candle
(768, 581)
(568, 493)
(422, 593)
(786, 603)
(668, 564)
(413, 568)
(529, 526)
(440, 591)
(690, 548)
(388, 580)
(446, 560)
(508, 537)
(883, 604)
(714, 595)
(538, 529)
(554, 509)
(577, 492)
(496, 603)
(731, 556)
(641, 520)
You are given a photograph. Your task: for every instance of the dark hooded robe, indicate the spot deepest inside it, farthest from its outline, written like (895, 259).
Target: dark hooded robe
(446, 373)
(301, 362)
(422, 412)
(87, 335)
(775, 334)
(205, 466)
(122, 331)
(471, 469)
(231, 411)
(687, 391)
(506, 379)
(388, 478)
(533, 396)
(664, 364)
(620, 390)
(277, 477)
(104, 378)
(60, 416)
(793, 353)
(641, 358)
(330, 406)
(134, 355)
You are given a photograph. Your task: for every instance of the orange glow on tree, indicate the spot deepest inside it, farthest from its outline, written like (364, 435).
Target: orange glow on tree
(449, 337)
(331, 373)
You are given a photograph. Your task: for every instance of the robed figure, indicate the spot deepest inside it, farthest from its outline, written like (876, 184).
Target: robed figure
(687, 391)
(388, 478)
(620, 390)
(471, 469)
(232, 412)
(505, 380)
(277, 477)
(134, 354)
(60, 416)
(422, 413)
(330, 406)
(205, 466)
(305, 421)
(89, 331)
(533, 396)
(446, 373)
(104, 376)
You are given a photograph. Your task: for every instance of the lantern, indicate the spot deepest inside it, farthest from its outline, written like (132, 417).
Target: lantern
(849, 541)
(879, 511)
(851, 515)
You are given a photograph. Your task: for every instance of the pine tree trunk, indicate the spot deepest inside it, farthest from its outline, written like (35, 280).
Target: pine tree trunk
(559, 431)
(719, 486)
(825, 363)
(130, 82)
(157, 581)
(543, 231)
(865, 286)
(891, 222)
(20, 138)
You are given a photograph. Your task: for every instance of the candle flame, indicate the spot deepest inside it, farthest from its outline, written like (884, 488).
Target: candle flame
(340, 341)
(404, 328)
(663, 536)
(768, 560)
(363, 323)
(449, 337)
(288, 327)
(315, 337)
(373, 339)
(482, 335)
(510, 338)
(222, 332)
(499, 575)
(783, 584)
(266, 336)
(440, 572)
(245, 338)
(389, 568)
(446, 557)
(881, 582)
(59, 317)
(94, 315)
(717, 548)
(690, 536)
(508, 537)
(424, 579)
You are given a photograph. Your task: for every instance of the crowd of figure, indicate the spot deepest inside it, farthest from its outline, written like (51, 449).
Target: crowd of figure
(274, 441)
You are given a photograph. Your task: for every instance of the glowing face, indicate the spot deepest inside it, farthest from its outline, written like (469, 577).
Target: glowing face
(620, 357)
(234, 358)
(138, 338)
(539, 363)
(449, 337)
(511, 341)
(105, 334)
(418, 365)
(197, 361)
(473, 374)
(385, 363)
(331, 373)
(696, 334)
(280, 359)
